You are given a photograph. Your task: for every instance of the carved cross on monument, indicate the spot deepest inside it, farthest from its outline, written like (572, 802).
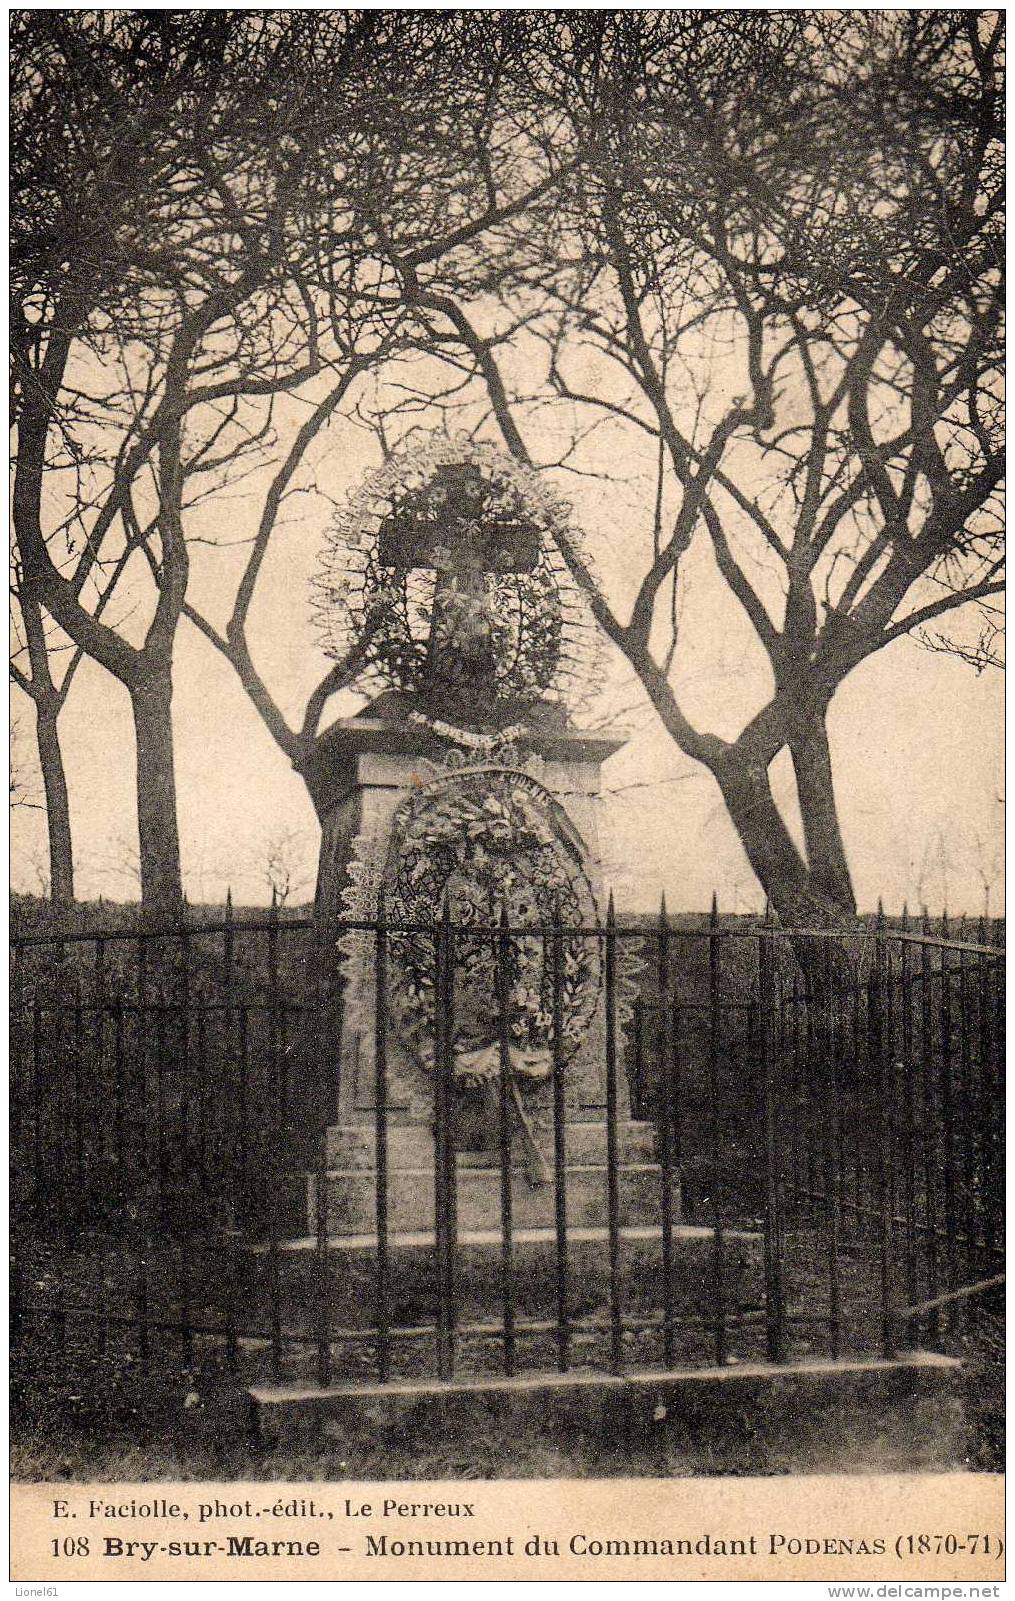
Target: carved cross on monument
(449, 528)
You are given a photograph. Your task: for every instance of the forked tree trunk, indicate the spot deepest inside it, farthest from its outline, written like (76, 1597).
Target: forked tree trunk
(809, 895)
(158, 833)
(826, 854)
(54, 781)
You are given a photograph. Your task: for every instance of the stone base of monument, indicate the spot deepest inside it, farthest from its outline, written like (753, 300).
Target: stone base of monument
(413, 1284)
(351, 1181)
(867, 1415)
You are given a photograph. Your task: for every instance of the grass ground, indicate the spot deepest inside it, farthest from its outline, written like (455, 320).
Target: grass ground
(78, 1414)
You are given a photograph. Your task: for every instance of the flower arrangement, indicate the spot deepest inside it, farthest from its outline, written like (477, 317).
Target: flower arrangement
(445, 566)
(486, 843)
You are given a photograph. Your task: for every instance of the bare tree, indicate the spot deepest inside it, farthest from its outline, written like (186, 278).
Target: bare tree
(774, 278)
(445, 166)
(206, 206)
(32, 670)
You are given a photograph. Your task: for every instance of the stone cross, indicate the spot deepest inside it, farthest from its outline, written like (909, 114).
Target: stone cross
(450, 532)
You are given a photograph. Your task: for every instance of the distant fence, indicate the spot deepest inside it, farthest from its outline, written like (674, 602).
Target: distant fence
(828, 1107)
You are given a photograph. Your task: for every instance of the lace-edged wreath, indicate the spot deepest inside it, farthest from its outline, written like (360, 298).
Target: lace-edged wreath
(487, 836)
(511, 630)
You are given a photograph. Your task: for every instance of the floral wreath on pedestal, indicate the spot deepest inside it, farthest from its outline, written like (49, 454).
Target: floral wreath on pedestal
(545, 645)
(492, 840)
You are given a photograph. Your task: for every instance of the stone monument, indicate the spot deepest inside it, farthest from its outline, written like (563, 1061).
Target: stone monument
(464, 781)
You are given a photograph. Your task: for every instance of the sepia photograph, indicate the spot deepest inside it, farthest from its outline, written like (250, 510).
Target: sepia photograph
(506, 778)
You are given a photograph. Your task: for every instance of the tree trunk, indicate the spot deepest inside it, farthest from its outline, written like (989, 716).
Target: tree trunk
(158, 834)
(826, 854)
(803, 898)
(799, 897)
(54, 779)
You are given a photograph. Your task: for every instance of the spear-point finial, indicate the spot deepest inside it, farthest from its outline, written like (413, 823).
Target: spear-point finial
(769, 915)
(714, 914)
(229, 904)
(611, 912)
(924, 919)
(905, 917)
(945, 926)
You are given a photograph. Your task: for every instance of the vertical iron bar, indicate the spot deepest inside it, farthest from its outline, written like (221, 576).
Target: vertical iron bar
(79, 1110)
(878, 1013)
(184, 1065)
(201, 1072)
(774, 1343)
(440, 1160)
(559, 1148)
(829, 1078)
(224, 1150)
(501, 956)
(665, 1104)
(451, 1142)
(99, 1045)
(445, 1154)
(98, 1099)
(274, 1282)
(966, 1093)
(143, 1166)
(999, 1087)
(225, 1144)
(160, 1110)
(676, 1091)
(986, 1104)
(860, 1119)
(38, 1143)
(323, 1273)
(380, 1138)
(242, 1128)
(612, 1176)
(948, 1123)
(719, 1251)
(800, 1119)
(119, 1092)
(929, 1122)
(909, 1123)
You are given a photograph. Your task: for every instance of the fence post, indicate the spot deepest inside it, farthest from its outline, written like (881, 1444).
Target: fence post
(666, 1100)
(719, 1252)
(380, 1136)
(559, 1147)
(774, 1328)
(820, 994)
(909, 1123)
(948, 1122)
(504, 1108)
(445, 1176)
(929, 1121)
(879, 1046)
(612, 1189)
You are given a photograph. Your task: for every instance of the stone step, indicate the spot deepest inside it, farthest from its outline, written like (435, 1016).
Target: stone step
(351, 1198)
(412, 1274)
(801, 1417)
(410, 1145)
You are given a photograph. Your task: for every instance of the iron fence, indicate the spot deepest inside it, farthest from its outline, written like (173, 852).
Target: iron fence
(824, 1174)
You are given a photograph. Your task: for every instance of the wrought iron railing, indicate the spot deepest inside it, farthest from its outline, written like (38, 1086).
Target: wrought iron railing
(828, 1122)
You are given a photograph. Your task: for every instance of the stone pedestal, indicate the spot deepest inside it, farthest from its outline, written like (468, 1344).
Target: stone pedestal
(366, 767)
